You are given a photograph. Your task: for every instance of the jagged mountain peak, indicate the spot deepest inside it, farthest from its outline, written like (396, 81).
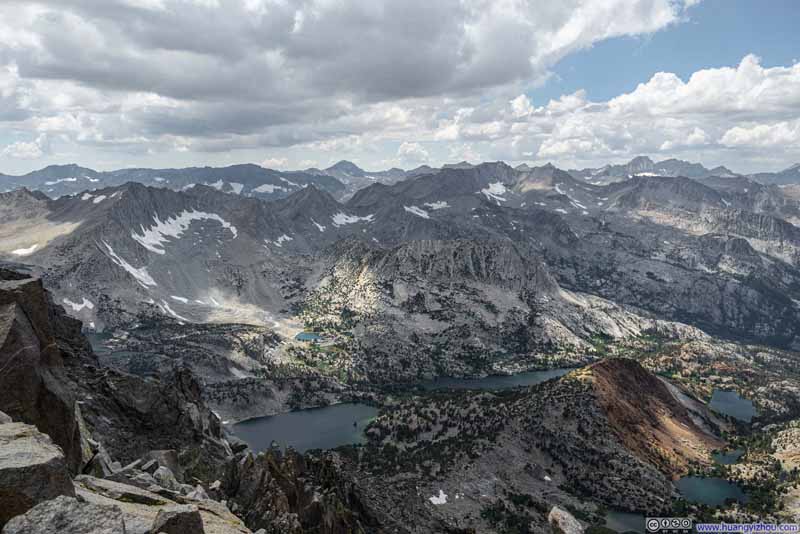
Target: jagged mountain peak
(310, 199)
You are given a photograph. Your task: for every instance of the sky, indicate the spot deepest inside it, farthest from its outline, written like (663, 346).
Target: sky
(292, 84)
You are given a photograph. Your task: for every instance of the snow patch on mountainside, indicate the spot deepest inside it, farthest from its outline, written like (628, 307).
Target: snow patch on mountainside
(141, 275)
(153, 239)
(320, 227)
(440, 499)
(495, 191)
(282, 239)
(342, 218)
(439, 205)
(417, 211)
(165, 307)
(269, 188)
(54, 182)
(25, 251)
(85, 303)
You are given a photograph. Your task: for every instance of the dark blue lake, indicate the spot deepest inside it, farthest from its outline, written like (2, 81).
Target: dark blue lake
(710, 491)
(316, 428)
(495, 382)
(730, 403)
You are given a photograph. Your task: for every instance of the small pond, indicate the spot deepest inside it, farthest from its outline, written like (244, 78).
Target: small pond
(710, 491)
(495, 382)
(308, 336)
(727, 457)
(315, 428)
(730, 403)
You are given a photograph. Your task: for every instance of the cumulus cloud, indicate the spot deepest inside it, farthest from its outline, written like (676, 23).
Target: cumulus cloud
(208, 76)
(412, 152)
(746, 106)
(275, 163)
(319, 80)
(779, 134)
(28, 149)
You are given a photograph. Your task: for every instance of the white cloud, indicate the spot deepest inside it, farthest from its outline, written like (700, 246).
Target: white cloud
(412, 152)
(210, 76)
(28, 150)
(275, 163)
(319, 81)
(779, 134)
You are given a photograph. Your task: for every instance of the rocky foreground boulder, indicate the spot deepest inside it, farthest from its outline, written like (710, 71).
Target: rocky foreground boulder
(32, 384)
(67, 514)
(32, 470)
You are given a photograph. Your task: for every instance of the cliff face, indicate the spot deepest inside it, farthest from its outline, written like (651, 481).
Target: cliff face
(294, 494)
(32, 381)
(51, 379)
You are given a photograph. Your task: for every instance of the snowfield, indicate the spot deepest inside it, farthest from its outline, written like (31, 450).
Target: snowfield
(153, 239)
(342, 218)
(141, 275)
(417, 211)
(495, 191)
(25, 251)
(86, 303)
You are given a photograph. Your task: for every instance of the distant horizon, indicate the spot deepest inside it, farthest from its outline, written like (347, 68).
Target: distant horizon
(530, 163)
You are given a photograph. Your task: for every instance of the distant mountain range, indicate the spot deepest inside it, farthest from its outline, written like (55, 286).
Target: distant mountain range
(341, 180)
(644, 166)
(210, 253)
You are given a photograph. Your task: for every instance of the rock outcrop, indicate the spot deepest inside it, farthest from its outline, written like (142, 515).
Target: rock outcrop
(293, 494)
(563, 522)
(179, 519)
(48, 364)
(32, 382)
(32, 470)
(67, 514)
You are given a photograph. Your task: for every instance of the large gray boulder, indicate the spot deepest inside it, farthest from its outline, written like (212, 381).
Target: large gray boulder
(166, 479)
(32, 384)
(119, 491)
(68, 515)
(32, 470)
(179, 519)
(563, 522)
